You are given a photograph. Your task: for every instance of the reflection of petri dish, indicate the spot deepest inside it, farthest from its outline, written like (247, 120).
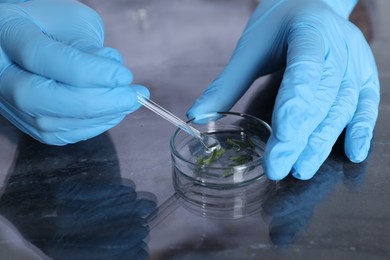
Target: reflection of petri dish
(231, 203)
(237, 163)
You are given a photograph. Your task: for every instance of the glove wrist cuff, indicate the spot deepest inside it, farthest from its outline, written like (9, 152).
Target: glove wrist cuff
(342, 7)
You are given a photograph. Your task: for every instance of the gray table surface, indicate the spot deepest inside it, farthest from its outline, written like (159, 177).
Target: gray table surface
(89, 200)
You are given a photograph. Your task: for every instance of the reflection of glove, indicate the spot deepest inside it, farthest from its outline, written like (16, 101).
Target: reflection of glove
(71, 208)
(43, 40)
(100, 221)
(330, 82)
(291, 206)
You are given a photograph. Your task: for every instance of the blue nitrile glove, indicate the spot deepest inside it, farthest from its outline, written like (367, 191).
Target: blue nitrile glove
(57, 81)
(12, 1)
(330, 82)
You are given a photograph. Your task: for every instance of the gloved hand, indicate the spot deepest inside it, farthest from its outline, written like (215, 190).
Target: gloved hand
(57, 81)
(330, 82)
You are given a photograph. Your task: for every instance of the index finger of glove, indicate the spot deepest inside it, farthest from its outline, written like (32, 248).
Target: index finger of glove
(39, 96)
(83, 28)
(25, 44)
(253, 57)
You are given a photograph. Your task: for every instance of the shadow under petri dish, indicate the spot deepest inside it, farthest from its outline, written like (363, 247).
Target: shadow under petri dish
(230, 181)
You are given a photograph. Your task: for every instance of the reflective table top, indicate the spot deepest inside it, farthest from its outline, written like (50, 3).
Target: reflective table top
(116, 197)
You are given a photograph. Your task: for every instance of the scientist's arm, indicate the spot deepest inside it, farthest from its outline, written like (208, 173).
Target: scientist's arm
(57, 81)
(330, 82)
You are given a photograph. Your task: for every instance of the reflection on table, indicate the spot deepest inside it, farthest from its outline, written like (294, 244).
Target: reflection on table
(71, 202)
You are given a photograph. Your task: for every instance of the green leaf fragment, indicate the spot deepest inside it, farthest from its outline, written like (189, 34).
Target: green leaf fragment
(220, 152)
(237, 144)
(209, 160)
(241, 159)
(217, 153)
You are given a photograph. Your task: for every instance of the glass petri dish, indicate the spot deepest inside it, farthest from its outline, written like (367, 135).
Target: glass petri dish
(239, 161)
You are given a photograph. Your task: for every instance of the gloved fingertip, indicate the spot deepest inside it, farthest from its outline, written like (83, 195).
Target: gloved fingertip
(141, 90)
(277, 159)
(273, 173)
(206, 118)
(144, 91)
(302, 175)
(107, 52)
(52, 138)
(357, 151)
(309, 161)
(123, 76)
(357, 144)
(273, 177)
(190, 114)
(197, 108)
(218, 97)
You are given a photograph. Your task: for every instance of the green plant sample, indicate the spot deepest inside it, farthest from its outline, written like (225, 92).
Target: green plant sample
(236, 145)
